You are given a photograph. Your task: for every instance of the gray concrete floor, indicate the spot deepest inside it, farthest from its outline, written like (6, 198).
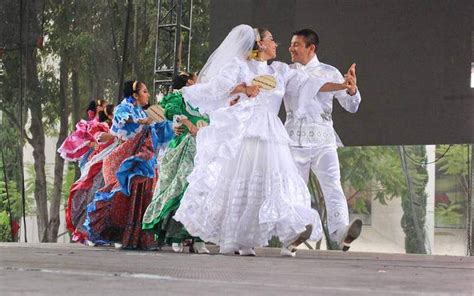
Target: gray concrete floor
(72, 269)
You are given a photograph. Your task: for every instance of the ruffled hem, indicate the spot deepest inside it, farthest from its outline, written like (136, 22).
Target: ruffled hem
(78, 154)
(134, 167)
(244, 197)
(175, 167)
(234, 218)
(127, 134)
(99, 196)
(141, 164)
(96, 159)
(76, 144)
(170, 207)
(86, 182)
(73, 148)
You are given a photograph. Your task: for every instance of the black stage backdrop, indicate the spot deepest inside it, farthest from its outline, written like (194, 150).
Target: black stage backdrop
(414, 61)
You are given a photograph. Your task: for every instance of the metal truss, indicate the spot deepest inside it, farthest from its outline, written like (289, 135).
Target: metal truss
(173, 42)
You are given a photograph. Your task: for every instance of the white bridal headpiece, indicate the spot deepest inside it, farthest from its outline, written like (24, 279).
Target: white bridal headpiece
(237, 44)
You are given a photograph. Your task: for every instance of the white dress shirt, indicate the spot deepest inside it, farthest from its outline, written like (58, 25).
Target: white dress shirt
(309, 115)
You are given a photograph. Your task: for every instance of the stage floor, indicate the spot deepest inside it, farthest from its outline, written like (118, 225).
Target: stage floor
(72, 269)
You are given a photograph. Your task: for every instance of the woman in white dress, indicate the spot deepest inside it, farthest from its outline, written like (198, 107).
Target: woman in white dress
(245, 187)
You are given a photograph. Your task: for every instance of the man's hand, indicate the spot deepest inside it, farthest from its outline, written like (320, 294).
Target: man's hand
(351, 80)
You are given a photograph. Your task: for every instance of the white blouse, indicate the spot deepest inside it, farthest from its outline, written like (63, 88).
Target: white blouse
(215, 94)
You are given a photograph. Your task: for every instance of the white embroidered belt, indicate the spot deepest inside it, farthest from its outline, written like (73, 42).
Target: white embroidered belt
(306, 132)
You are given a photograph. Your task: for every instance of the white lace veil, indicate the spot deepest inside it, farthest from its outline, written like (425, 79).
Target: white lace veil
(238, 43)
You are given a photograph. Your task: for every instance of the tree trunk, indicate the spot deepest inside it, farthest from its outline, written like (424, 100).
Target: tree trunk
(54, 221)
(38, 143)
(31, 11)
(125, 47)
(414, 201)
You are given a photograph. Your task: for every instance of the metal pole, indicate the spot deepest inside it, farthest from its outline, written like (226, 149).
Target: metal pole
(177, 37)
(158, 5)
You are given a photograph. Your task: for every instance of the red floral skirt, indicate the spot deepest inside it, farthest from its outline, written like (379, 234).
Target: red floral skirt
(115, 217)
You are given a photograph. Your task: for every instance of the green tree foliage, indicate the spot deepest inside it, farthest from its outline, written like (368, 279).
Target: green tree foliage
(371, 171)
(200, 43)
(453, 168)
(5, 230)
(376, 173)
(455, 163)
(449, 214)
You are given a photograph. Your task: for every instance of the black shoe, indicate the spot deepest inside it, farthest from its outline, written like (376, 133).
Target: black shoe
(301, 238)
(351, 233)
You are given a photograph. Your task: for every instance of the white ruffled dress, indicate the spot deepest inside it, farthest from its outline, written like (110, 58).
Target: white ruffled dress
(245, 187)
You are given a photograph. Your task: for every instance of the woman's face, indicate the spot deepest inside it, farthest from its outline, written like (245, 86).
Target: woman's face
(142, 95)
(267, 46)
(191, 81)
(101, 107)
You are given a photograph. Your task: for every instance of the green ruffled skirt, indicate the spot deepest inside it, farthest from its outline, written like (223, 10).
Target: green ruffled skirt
(175, 167)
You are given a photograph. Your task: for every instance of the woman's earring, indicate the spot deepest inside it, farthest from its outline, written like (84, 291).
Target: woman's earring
(262, 48)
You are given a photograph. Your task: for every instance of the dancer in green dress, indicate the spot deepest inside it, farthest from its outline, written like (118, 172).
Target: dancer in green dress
(176, 165)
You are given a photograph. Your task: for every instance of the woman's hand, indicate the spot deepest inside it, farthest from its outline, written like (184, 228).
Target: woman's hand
(178, 130)
(92, 145)
(191, 127)
(240, 88)
(249, 90)
(252, 91)
(234, 101)
(105, 137)
(145, 121)
(193, 130)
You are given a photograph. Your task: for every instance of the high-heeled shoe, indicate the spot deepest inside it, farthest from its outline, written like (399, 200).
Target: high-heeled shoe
(199, 248)
(177, 247)
(247, 252)
(300, 238)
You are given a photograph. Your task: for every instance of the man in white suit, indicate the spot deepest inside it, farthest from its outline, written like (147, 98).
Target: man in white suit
(309, 124)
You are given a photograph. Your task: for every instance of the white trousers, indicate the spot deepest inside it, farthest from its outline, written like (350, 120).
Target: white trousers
(324, 163)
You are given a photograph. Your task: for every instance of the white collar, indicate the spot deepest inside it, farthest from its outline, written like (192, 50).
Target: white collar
(312, 63)
(258, 63)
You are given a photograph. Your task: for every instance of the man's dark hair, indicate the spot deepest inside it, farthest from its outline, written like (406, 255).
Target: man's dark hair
(310, 37)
